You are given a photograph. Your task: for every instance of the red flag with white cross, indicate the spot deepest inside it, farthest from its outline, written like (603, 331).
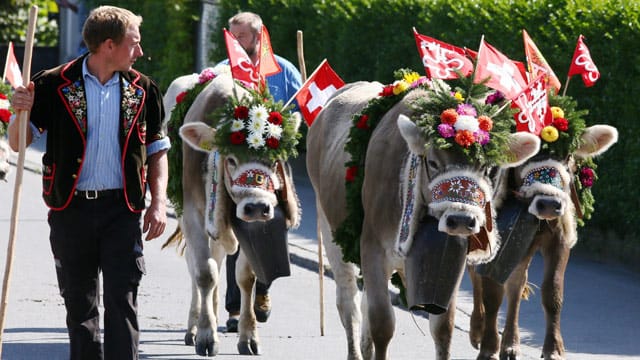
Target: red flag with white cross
(315, 92)
(503, 73)
(12, 71)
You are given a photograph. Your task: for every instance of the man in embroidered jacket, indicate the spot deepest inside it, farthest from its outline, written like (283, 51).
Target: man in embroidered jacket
(104, 141)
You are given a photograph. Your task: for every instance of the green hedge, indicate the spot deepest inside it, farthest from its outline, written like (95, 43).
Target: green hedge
(369, 39)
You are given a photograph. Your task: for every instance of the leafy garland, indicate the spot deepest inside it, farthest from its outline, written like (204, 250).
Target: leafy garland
(256, 126)
(561, 139)
(486, 144)
(184, 100)
(5, 107)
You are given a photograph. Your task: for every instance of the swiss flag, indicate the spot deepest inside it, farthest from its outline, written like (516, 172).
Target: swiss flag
(268, 64)
(442, 60)
(533, 102)
(12, 69)
(504, 74)
(538, 64)
(583, 65)
(242, 68)
(315, 92)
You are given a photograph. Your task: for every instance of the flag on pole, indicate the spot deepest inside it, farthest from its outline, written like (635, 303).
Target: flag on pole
(242, 68)
(533, 103)
(583, 65)
(267, 63)
(315, 92)
(503, 73)
(537, 64)
(442, 60)
(12, 71)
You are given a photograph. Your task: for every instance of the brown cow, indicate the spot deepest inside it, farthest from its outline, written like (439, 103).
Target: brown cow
(395, 143)
(544, 185)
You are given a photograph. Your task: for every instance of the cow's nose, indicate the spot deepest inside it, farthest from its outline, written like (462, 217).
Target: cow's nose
(255, 210)
(548, 208)
(459, 222)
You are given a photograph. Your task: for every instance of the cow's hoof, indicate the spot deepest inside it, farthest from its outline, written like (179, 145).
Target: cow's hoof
(190, 339)
(210, 349)
(248, 347)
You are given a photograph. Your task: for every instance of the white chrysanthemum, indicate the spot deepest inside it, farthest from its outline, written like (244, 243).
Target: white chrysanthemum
(4, 104)
(466, 122)
(274, 131)
(255, 141)
(237, 125)
(258, 112)
(257, 126)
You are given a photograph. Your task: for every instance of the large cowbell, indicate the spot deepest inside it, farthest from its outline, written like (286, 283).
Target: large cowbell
(433, 267)
(517, 229)
(265, 245)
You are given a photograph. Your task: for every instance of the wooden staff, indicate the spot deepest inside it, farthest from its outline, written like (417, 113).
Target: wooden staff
(303, 73)
(23, 118)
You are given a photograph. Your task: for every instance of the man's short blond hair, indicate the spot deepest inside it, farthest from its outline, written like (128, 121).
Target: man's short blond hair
(107, 22)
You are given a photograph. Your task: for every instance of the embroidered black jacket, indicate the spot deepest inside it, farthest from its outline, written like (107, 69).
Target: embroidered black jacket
(60, 108)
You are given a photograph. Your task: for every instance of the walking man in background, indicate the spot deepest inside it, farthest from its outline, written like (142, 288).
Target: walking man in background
(104, 142)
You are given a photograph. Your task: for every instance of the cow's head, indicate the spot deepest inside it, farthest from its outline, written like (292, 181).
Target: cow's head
(255, 185)
(4, 160)
(459, 185)
(551, 181)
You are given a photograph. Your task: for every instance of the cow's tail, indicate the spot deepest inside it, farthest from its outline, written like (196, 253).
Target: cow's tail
(176, 239)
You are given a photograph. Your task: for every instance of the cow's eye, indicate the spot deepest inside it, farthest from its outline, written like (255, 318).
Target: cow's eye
(433, 165)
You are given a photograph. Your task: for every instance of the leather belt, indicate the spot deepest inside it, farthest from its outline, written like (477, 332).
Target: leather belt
(97, 194)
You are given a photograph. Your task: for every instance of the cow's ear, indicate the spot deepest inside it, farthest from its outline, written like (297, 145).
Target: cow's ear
(522, 146)
(596, 140)
(199, 136)
(411, 134)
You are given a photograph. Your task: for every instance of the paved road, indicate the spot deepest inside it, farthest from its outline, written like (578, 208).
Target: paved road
(601, 317)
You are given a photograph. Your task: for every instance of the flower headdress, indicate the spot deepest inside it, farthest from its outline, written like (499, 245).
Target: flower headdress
(561, 139)
(5, 107)
(256, 126)
(471, 121)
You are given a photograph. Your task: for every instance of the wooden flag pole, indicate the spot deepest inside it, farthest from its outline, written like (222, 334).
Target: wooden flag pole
(566, 85)
(303, 73)
(23, 118)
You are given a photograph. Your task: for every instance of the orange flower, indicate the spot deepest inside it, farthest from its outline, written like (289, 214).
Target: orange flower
(465, 138)
(485, 123)
(449, 116)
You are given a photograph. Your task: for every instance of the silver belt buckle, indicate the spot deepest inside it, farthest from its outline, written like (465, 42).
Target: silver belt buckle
(91, 194)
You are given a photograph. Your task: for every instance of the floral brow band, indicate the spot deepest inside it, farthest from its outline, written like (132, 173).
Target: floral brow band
(545, 175)
(460, 189)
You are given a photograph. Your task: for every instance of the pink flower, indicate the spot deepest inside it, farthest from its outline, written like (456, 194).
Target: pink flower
(446, 131)
(206, 75)
(482, 137)
(466, 109)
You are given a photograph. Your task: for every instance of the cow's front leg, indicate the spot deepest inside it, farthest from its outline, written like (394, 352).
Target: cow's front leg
(556, 258)
(380, 316)
(476, 323)
(248, 342)
(491, 294)
(516, 290)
